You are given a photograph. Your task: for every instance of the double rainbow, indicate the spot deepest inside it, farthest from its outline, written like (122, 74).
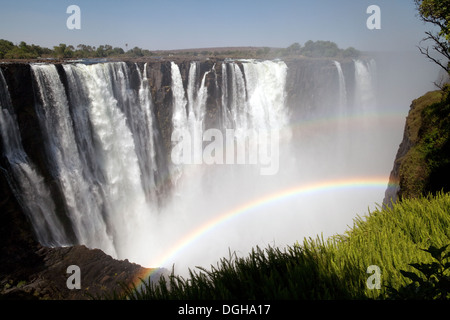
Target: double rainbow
(185, 240)
(387, 119)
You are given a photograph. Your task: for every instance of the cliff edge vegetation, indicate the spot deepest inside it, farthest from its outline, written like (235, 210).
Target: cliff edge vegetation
(423, 159)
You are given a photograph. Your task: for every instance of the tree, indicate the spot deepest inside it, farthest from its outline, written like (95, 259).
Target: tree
(320, 49)
(294, 48)
(118, 51)
(64, 51)
(350, 52)
(5, 47)
(436, 12)
(136, 52)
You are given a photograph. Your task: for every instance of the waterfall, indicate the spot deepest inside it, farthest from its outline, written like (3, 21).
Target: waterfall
(342, 89)
(254, 101)
(266, 97)
(179, 119)
(104, 154)
(99, 146)
(364, 85)
(196, 113)
(188, 114)
(343, 136)
(225, 116)
(238, 97)
(253, 105)
(150, 166)
(126, 211)
(191, 86)
(28, 185)
(81, 198)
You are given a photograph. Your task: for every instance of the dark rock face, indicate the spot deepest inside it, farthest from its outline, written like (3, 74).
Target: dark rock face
(16, 236)
(391, 194)
(312, 86)
(46, 277)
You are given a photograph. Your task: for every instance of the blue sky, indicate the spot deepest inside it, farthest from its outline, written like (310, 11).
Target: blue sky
(156, 24)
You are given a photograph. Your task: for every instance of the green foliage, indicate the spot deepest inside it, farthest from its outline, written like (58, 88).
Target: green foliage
(63, 51)
(433, 281)
(435, 143)
(5, 47)
(320, 49)
(295, 273)
(22, 51)
(423, 168)
(294, 48)
(436, 12)
(323, 269)
(313, 49)
(350, 52)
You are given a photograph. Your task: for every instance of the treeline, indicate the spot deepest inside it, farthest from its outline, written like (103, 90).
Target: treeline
(25, 51)
(312, 49)
(320, 49)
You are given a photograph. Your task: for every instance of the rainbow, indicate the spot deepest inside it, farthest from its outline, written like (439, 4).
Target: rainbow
(282, 195)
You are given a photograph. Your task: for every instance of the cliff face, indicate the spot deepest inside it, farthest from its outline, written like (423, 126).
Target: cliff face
(423, 156)
(312, 86)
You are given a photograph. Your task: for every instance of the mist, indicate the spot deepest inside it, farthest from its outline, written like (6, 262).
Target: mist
(218, 209)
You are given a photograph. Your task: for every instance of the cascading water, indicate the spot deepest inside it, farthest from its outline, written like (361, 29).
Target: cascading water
(253, 100)
(102, 146)
(364, 82)
(80, 197)
(342, 89)
(28, 185)
(149, 168)
(365, 107)
(127, 210)
(342, 112)
(179, 117)
(237, 102)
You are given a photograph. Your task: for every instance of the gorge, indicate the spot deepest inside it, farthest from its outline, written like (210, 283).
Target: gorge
(87, 151)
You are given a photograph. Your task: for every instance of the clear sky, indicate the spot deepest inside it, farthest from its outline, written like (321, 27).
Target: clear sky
(181, 24)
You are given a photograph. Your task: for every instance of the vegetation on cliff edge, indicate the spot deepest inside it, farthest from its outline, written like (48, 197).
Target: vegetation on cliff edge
(423, 169)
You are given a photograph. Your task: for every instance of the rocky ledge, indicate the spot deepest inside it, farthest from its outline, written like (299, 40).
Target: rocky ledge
(31, 271)
(100, 275)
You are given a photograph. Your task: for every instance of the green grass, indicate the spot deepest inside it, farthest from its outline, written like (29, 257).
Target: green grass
(333, 268)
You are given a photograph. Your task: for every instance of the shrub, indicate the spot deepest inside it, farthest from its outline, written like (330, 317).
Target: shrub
(433, 280)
